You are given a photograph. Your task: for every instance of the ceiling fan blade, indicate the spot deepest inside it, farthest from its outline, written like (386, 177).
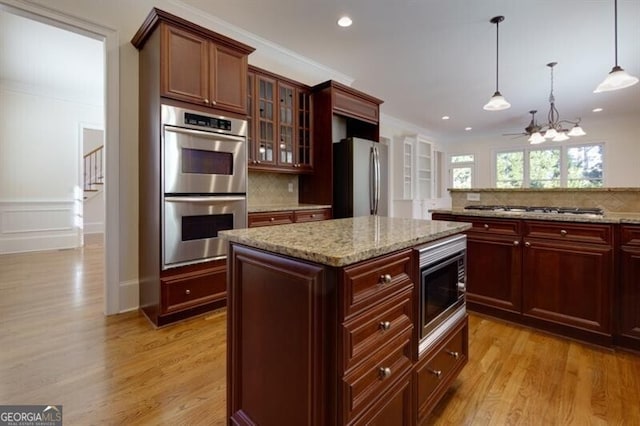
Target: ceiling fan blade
(515, 134)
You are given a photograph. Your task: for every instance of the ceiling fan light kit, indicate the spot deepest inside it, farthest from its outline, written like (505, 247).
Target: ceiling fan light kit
(497, 101)
(617, 78)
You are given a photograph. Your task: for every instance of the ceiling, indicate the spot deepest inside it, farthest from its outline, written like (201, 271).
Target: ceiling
(430, 58)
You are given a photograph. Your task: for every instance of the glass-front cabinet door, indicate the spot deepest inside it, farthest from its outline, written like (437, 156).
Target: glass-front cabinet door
(286, 124)
(304, 130)
(266, 136)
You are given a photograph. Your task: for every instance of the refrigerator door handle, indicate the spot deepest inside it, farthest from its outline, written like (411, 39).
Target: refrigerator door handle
(372, 180)
(376, 195)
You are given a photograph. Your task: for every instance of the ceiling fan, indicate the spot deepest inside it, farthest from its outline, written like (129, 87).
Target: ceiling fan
(530, 129)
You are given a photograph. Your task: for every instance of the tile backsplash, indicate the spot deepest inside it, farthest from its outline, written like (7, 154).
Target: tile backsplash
(272, 189)
(609, 199)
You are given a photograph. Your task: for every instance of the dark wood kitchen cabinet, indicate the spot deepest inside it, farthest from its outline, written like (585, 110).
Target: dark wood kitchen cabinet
(180, 64)
(194, 64)
(279, 118)
(494, 265)
(553, 275)
(628, 330)
(568, 274)
(288, 216)
(337, 345)
(338, 112)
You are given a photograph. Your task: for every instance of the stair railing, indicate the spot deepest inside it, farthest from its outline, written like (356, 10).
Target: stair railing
(93, 171)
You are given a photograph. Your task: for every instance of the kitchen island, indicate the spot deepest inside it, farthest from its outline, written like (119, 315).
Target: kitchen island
(322, 324)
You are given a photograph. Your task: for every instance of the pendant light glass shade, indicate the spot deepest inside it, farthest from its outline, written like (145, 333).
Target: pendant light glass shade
(576, 131)
(550, 134)
(616, 79)
(536, 138)
(497, 103)
(561, 137)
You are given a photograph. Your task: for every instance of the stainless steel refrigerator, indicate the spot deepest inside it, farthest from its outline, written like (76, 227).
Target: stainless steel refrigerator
(359, 178)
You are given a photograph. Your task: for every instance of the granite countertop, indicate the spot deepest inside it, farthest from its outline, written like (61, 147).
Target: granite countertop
(284, 207)
(608, 217)
(341, 242)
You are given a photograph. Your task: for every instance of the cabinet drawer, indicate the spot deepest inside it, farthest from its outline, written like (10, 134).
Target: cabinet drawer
(582, 232)
(493, 226)
(376, 328)
(363, 385)
(440, 366)
(187, 290)
(270, 218)
(368, 282)
(311, 215)
(631, 235)
(355, 107)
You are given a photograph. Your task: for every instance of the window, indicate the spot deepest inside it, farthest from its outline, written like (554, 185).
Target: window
(510, 169)
(544, 168)
(584, 166)
(462, 171)
(572, 166)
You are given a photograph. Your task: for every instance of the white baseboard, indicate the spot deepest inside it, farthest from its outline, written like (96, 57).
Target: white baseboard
(93, 228)
(39, 243)
(129, 296)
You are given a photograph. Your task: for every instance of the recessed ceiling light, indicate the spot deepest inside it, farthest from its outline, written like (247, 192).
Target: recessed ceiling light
(345, 21)
(468, 128)
(445, 117)
(596, 109)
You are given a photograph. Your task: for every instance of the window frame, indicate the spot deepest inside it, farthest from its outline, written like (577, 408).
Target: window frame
(462, 164)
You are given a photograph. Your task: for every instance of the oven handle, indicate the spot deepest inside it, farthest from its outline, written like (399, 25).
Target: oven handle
(206, 200)
(215, 135)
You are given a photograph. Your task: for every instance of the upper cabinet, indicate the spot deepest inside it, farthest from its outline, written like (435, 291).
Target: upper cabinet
(196, 65)
(279, 123)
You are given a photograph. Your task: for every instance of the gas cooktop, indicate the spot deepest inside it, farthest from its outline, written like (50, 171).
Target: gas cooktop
(539, 209)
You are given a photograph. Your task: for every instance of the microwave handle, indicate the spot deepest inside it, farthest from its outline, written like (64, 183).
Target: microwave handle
(203, 133)
(206, 200)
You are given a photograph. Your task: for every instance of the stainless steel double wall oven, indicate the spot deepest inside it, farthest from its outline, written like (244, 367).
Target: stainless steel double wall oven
(204, 178)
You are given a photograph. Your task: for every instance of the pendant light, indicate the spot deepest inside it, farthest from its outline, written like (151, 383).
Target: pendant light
(497, 101)
(617, 78)
(555, 131)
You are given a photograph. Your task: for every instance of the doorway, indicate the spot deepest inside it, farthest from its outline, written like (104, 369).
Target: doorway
(17, 181)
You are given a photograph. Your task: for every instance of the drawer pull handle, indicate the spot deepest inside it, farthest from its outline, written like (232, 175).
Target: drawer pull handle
(384, 372)
(272, 219)
(187, 292)
(385, 325)
(313, 215)
(527, 244)
(516, 243)
(206, 101)
(563, 232)
(437, 373)
(454, 354)
(385, 279)
(486, 226)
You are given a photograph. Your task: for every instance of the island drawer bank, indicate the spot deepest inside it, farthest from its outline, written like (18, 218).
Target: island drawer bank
(323, 324)
(575, 276)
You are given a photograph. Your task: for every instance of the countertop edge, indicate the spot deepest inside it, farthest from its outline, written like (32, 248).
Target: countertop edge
(613, 218)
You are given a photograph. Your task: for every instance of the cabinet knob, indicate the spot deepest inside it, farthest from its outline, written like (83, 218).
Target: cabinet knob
(563, 232)
(187, 292)
(486, 226)
(213, 102)
(454, 354)
(206, 101)
(527, 244)
(385, 325)
(516, 243)
(437, 373)
(313, 215)
(384, 372)
(385, 279)
(272, 219)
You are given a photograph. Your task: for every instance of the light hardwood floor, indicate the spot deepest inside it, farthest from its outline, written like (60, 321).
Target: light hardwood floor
(56, 347)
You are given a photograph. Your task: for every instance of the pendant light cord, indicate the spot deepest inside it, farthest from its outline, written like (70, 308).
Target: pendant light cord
(498, 52)
(615, 25)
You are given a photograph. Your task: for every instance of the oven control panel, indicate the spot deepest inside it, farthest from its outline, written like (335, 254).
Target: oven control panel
(207, 121)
